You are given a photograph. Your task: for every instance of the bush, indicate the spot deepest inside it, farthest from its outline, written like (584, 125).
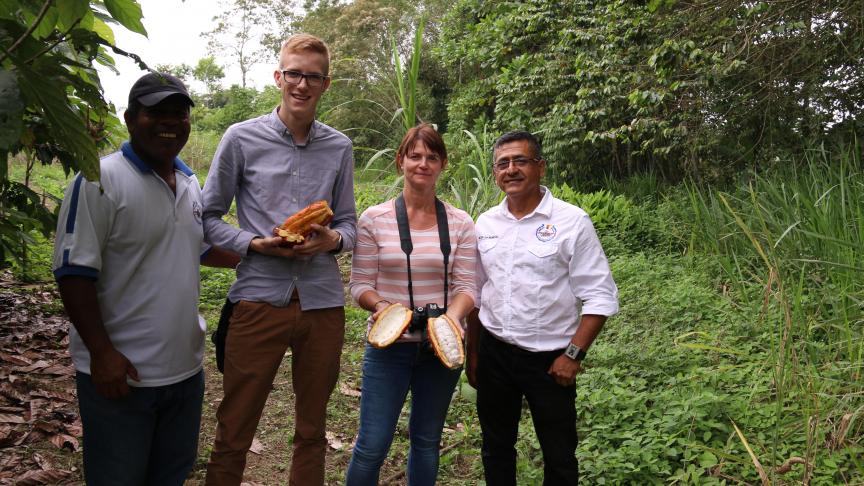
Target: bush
(622, 225)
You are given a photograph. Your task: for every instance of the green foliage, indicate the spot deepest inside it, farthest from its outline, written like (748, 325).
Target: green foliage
(622, 224)
(406, 89)
(618, 87)
(469, 175)
(52, 106)
(362, 101)
(215, 283)
(227, 107)
(209, 72)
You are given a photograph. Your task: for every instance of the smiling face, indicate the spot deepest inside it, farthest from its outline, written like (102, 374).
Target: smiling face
(159, 132)
(518, 182)
(300, 100)
(421, 167)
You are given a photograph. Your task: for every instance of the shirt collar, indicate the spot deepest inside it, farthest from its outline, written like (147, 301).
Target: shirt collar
(544, 207)
(273, 121)
(144, 167)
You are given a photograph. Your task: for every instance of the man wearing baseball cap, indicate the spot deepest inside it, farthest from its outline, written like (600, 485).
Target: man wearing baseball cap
(126, 262)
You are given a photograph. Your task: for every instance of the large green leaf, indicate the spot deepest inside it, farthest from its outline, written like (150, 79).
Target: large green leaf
(68, 126)
(103, 30)
(128, 13)
(11, 109)
(46, 26)
(71, 11)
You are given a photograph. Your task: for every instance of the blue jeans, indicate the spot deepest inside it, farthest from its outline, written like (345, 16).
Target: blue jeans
(149, 437)
(388, 374)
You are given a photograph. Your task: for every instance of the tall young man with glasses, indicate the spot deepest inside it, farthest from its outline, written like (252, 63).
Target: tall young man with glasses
(545, 291)
(273, 166)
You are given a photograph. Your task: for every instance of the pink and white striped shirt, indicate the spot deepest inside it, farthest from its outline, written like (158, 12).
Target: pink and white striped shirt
(379, 263)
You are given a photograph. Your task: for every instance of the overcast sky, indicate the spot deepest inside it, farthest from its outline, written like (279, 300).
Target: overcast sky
(174, 32)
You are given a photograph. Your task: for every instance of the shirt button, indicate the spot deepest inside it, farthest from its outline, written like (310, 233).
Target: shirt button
(295, 173)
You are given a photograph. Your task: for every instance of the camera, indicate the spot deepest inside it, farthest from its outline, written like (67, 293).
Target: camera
(421, 314)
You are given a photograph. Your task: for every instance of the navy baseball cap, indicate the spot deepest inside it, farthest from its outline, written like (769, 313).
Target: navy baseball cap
(152, 88)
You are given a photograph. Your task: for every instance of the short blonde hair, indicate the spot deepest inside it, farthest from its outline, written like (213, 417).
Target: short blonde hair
(306, 43)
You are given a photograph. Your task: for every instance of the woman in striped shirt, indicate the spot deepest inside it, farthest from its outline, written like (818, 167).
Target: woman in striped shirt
(379, 277)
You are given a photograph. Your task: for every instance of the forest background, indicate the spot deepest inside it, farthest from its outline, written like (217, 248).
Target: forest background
(715, 144)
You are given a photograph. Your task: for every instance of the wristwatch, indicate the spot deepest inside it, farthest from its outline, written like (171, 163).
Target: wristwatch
(574, 352)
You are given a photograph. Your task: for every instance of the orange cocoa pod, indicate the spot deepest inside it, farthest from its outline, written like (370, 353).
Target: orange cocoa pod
(297, 227)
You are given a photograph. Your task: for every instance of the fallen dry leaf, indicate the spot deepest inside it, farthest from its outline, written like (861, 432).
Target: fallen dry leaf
(36, 478)
(348, 390)
(333, 441)
(42, 461)
(6, 418)
(257, 447)
(65, 440)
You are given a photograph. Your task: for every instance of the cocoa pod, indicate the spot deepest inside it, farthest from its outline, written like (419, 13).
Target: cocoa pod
(297, 227)
(446, 340)
(389, 325)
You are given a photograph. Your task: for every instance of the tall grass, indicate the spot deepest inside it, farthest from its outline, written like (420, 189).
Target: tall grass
(799, 232)
(470, 181)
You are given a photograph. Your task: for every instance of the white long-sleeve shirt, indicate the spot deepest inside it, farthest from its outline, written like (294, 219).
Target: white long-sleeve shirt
(537, 275)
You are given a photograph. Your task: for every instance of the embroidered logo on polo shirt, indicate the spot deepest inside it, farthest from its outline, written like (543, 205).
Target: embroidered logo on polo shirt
(196, 211)
(487, 237)
(546, 232)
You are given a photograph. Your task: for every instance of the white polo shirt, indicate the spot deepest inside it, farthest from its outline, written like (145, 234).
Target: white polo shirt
(538, 274)
(142, 245)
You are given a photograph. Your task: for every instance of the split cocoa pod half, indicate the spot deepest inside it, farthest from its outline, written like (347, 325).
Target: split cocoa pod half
(446, 340)
(297, 227)
(390, 324)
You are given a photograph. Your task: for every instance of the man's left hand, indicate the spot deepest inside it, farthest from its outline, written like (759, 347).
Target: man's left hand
(321, 240)
(564, 370)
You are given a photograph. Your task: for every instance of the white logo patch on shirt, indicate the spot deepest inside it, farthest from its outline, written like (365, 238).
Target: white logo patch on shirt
(196, 211)
(546, 232)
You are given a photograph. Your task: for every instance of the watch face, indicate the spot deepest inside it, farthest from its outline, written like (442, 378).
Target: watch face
(573, 352)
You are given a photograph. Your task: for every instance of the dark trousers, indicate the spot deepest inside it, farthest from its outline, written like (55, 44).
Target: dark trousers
(505, 374)
(149, 437)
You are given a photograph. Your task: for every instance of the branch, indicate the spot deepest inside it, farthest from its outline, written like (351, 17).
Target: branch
(28, 32)
(60, 39)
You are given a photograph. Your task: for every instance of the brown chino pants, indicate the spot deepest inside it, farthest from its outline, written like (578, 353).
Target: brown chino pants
(258, 338)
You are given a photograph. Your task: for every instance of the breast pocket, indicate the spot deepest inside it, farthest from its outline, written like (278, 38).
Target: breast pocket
(542, 260)
(486, 245)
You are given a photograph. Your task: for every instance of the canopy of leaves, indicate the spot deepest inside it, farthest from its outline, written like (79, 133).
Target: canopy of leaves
(681, 87)
(52, 107)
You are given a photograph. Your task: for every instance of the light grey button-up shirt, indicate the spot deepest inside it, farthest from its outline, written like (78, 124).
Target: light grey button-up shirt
(271, 177)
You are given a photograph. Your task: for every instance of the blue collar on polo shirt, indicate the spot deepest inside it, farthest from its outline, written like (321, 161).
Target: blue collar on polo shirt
(139, 163)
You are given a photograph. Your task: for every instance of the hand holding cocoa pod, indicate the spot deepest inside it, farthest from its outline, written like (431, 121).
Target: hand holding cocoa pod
(298, 226)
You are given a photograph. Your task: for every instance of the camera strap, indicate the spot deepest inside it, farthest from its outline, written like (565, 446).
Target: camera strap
(408, 247)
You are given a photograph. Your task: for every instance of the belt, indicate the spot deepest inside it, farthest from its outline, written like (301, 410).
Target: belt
(516, 349)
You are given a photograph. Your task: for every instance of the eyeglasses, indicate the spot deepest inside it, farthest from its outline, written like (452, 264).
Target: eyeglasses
(313, 80)
(519, 162)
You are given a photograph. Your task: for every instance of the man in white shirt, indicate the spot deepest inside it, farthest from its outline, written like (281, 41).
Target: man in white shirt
(545, 291)
(126, 261)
